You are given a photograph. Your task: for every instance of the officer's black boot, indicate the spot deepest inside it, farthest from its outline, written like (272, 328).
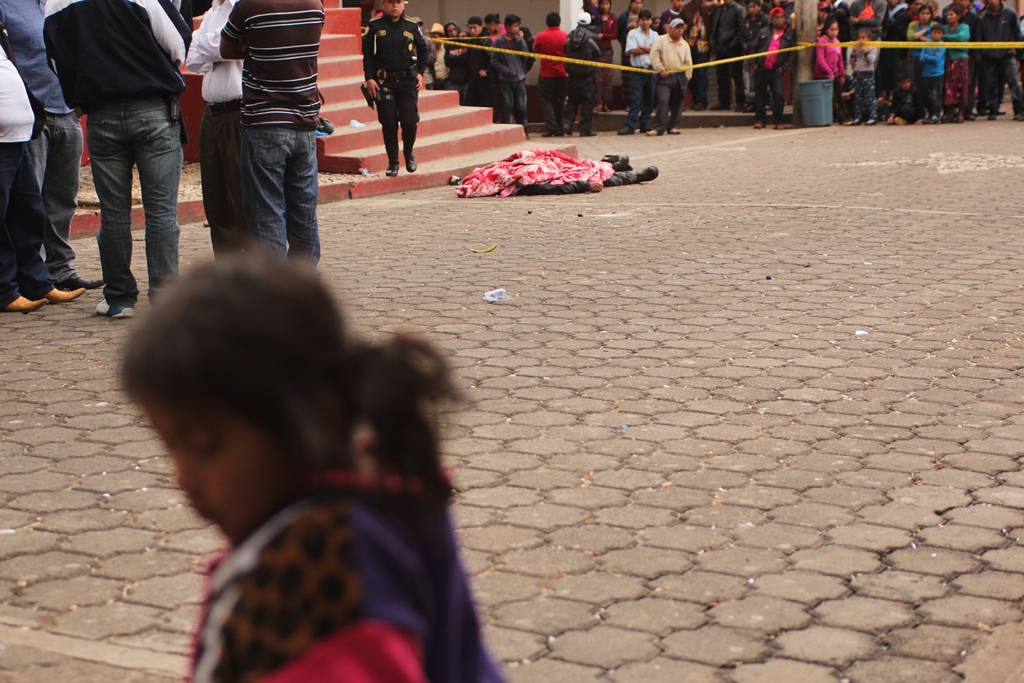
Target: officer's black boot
(410, 161)
(392, 168)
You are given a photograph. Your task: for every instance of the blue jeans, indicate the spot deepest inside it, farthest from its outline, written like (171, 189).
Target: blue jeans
(641, 101)
(279, 189)
(513, 99)
(991, 71)
(122, 134)
(57, 156)
(22, 219)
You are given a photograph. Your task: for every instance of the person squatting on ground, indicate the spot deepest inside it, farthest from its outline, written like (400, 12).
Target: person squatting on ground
(134, 121)
(57, 151)
(669, 54)
(907, 102)
(581, 44)
(318, 457)
(770, 70)
(552, 83)
(278, 42)
(548, 172)
(220, 133)
(24, 282)
(511, 71)
(863, 61)
(394, 59)
(641, 101)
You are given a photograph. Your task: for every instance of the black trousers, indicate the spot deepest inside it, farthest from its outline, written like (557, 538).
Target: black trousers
(724, 73)
(220, 169)
(396, 104)
(578, 186)
(581, 96)
(768, 83)
(551, 92)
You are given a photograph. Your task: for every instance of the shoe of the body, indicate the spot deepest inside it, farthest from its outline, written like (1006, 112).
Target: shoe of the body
(780, 126)
(57, 296)
(23, 305)
(114, 310)
(759, 125)
(410, 162)
(626, 131)
(648, 174)
(76, 281)
(392, 169)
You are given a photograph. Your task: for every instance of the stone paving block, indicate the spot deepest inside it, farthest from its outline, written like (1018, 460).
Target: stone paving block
(512, 645)
(937, 561)
(545, 517)
(716, 646)
(47, 565)
(962, 537)
(635, 516)
(496, 587)
(167, 591)
(655, 615)
(598, 588)
(928, 641)
(761, 612)
(970, 611)
(549, 616)
(900, 670)
(900, 516)
(901, 586)
(111, 542)
(989, 516)
(870, 537)
(814, 515)
(836, 560)
(787, 670)
(81, 591)
(783, 537)
(27, 541)
(96, 623)
(604, 646)
(724, 517)
(664, 670)
(649, 563)
(991, 584)
(825, 645)
(19, 658)
(864, 614)
(805, 587)
(701, 587)
(498, 539)
(551, 671)
(741, 561)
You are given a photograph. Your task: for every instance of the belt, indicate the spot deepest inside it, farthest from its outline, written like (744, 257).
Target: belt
(223, 107)
(396, 75)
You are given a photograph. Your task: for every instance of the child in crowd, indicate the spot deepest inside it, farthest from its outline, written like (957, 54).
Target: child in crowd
(933, 68)
(863, 61)
(957, 68)
(829, 65)
(920, 31)
(318, 458)
(907, 103)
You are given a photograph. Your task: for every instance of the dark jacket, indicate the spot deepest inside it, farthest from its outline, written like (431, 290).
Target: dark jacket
(394, 46)
(725, 29)
(623, 24)
(873, 24)
(752, 31)
(841, 12)
(999, 27)
(457, 60)
(581, 44)
(509, 67)
(784, 60)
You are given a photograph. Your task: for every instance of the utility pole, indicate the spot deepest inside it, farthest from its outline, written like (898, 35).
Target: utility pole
(806, 24)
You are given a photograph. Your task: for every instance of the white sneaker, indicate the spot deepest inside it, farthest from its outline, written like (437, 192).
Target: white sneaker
(115, 311)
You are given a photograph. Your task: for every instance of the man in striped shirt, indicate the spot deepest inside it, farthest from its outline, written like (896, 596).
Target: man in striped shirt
(278, 41)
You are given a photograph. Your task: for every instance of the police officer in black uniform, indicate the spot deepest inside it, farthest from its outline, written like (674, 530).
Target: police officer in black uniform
(394, 59)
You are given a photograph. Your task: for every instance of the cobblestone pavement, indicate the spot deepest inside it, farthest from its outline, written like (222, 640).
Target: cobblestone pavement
(757, 421)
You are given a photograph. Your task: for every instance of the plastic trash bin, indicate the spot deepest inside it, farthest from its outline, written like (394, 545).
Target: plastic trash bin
(816, 102)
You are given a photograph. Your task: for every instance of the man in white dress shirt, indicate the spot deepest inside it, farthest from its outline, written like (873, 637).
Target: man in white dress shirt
(220, 134)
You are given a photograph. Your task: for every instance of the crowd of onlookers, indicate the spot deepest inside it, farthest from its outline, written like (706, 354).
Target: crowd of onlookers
(921, 85)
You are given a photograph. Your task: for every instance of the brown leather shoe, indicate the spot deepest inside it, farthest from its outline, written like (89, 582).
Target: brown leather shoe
(759, 125)
(56, 296)
(23, 305)
(780, 126)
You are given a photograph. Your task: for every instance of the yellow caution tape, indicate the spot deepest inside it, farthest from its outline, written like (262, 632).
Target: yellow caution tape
(884, 45)
(488, 250)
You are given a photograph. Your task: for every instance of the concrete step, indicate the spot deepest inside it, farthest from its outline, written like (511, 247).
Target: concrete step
(342, 109)
(334, 44)
(428, 148)
(339, 66)
(434, 122)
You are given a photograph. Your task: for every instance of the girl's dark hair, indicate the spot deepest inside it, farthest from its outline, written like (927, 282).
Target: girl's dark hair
(262, 339)
(828, 23)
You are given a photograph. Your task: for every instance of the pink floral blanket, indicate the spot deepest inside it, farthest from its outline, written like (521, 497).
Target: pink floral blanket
(531, 167)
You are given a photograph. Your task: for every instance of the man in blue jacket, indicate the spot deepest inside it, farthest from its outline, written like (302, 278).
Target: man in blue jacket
(118, 61)
(511, 70)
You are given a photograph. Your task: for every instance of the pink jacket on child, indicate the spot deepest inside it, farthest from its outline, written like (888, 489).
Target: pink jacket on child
(829, 61)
